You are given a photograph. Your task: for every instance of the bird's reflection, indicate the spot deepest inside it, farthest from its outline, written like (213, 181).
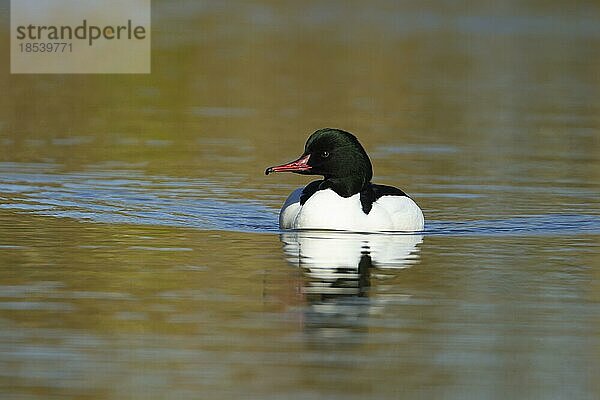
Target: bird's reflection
(337, 269)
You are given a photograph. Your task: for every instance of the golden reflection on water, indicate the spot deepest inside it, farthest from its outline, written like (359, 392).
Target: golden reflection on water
(480, 113)
(120, 309)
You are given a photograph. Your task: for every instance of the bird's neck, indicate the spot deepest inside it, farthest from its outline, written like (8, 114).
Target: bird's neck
(346, 186)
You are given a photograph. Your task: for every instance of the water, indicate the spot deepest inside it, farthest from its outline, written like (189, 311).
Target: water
(139, 251)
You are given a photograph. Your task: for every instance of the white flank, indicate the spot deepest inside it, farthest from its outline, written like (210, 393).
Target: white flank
(327, 210)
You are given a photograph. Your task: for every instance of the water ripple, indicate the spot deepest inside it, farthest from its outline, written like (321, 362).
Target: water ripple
(109, 197)
(549, 224)
(131, 197)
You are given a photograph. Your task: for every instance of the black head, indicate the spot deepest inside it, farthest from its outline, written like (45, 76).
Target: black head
(338, 156)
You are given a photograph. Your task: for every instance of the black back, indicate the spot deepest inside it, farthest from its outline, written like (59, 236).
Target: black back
(369, 195)
(373, 192)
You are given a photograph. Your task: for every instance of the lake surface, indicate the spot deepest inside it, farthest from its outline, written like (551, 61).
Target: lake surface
(139, 251)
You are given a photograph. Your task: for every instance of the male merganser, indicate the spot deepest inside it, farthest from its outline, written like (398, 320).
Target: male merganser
(346, 199)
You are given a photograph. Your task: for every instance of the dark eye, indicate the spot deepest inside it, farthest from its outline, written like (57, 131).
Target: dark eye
(325, 154)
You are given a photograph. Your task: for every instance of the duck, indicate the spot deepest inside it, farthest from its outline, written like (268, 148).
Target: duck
(345, 199)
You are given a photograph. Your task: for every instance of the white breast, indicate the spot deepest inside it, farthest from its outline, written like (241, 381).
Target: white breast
(327, 210)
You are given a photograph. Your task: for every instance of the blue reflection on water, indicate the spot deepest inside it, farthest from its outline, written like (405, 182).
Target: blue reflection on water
(130, 197)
